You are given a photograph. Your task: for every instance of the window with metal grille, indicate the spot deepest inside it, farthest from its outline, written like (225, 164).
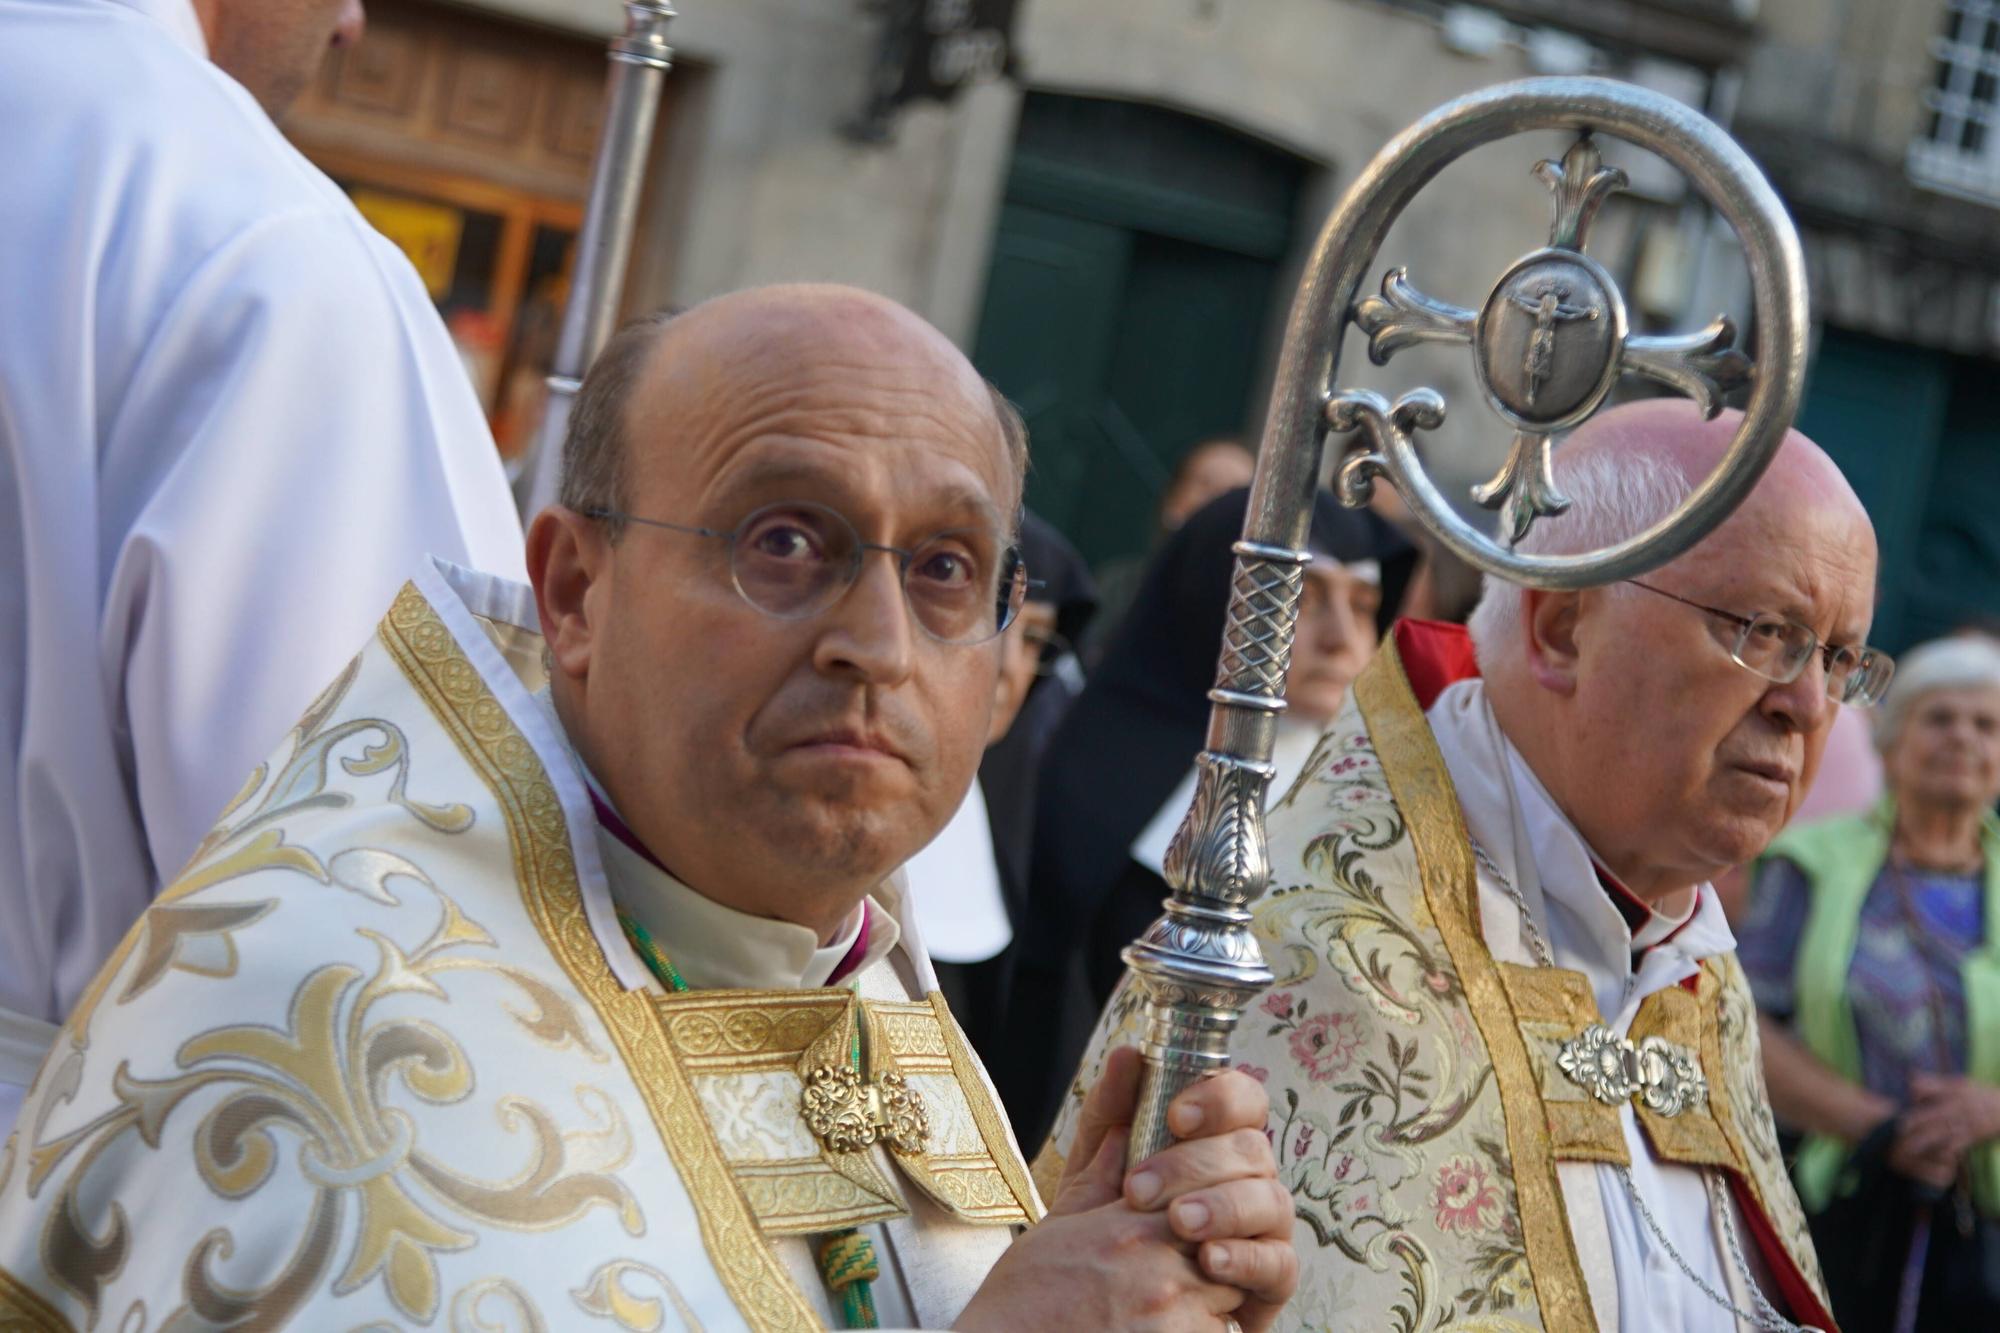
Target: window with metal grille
(1958, 144)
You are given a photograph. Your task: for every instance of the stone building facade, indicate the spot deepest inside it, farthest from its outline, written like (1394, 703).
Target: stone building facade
(1115, 232)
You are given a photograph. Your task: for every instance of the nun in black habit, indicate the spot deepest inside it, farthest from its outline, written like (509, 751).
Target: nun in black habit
(1126, 745)
(1060, 583)
(1061, 599)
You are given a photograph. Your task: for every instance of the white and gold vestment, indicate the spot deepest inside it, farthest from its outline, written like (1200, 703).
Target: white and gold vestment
(383, 1058)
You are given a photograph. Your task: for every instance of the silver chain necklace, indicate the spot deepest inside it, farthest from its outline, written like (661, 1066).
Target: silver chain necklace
(1764, 1316)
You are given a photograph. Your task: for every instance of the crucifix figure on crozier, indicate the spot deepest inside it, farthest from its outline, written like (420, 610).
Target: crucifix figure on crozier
(1547, 346)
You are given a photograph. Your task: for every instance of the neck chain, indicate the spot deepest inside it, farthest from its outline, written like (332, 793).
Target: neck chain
(1763, 1316)
(846, 1258)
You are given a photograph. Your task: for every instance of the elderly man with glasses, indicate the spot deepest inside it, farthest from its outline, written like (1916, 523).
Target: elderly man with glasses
(556, 971)
(1512, 1056)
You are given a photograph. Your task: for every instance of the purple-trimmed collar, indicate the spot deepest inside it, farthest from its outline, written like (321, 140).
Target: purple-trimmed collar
(855, 951)
(622, 831)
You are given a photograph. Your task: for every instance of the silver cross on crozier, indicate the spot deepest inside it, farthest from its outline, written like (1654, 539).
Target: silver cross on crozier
(1547, 346)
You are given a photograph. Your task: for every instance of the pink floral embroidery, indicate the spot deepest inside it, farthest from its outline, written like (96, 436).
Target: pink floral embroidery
(1460, 1024)
(1278, 1004)
(1324, 1045)
(1303, 1144)
(1254, 1071)
(1354, 797)
(1465, 1197)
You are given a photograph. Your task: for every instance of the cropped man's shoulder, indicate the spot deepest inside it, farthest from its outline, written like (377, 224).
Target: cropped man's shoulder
(109, 99)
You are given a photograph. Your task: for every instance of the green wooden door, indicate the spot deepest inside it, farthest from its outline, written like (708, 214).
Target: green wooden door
(1046, 337)
(1955, 573)
(1877, 407)
(1918, 434)
(1128, 297)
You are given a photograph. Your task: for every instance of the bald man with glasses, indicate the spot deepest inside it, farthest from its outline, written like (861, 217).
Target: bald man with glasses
(1512, 1057)
(557, 968)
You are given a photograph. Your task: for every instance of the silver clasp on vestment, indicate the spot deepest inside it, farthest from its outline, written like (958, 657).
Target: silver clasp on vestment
(1665, 1077)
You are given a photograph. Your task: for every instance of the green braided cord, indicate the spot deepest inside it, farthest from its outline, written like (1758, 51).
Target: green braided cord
(847, 1258)
(847, 1261)
(655, 958)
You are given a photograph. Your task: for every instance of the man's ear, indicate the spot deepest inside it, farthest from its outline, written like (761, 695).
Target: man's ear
(568, 556)
(1008, 692)
(1548, 620)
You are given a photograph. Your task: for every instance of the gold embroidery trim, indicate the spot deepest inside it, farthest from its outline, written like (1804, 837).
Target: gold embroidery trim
(1552, 1005)
(1707, 996)
(1421, 788)
(1716, 975)
(436, 666)
(992, 1124)
(22, 1311)
(723, 1032)
(1006, 1197)
(1694, 1137)
(1047, 1171)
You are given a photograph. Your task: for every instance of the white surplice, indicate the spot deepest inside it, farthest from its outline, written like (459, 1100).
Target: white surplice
(1635, 1287)
(230, 423)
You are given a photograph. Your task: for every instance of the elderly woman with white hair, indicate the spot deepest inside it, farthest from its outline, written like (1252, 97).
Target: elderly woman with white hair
(1873, 948)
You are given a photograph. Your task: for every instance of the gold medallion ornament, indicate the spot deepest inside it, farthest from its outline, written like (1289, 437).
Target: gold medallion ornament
(1665, 1077)
(848, 1115)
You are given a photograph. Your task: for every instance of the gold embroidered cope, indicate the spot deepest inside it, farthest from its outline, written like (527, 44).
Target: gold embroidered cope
(1420, 1112)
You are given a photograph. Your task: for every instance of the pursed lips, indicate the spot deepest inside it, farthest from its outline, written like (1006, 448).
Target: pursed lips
(855, 741)
(1769, 769)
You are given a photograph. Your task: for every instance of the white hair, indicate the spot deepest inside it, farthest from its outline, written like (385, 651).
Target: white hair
(1614, 494)
(1962, 662)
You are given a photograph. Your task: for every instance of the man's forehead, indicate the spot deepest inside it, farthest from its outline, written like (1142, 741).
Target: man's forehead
(767, 384)
(916, 475)
(1814, 563)
(785, 330)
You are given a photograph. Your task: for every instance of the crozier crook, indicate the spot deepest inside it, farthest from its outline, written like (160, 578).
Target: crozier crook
(1549, 343)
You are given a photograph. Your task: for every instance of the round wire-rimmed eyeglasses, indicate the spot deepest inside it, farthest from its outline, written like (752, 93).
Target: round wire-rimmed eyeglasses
(1779, 649)
(794, 559)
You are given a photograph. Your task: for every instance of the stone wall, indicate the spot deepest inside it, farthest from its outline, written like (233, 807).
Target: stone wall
(1842, 70)
(765, 186)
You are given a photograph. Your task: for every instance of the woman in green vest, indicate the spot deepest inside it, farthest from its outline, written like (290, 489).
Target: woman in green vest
(1873, 944)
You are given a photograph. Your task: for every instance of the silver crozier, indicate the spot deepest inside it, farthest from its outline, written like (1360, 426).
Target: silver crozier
(640, 59)
(1548, 344)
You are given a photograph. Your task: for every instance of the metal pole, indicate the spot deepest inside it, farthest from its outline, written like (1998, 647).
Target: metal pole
(640, 60)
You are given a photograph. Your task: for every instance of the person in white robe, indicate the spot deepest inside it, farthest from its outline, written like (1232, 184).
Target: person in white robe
(1512, 1057)
(230, 422)
(558, 969)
